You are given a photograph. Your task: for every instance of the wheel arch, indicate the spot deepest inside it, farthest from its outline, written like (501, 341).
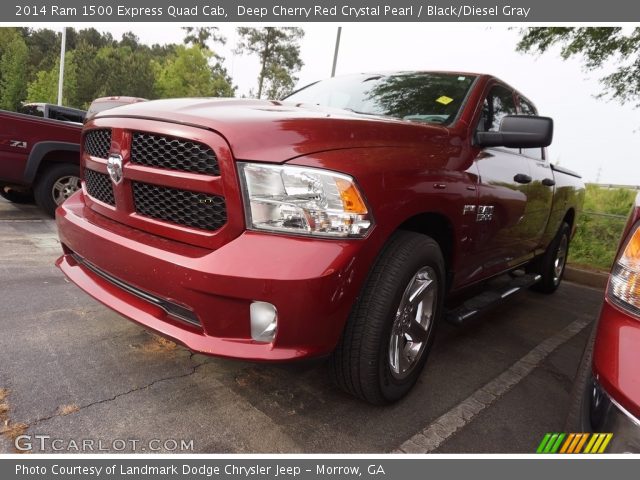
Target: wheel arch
(439, 227)
(570, 219)
(50, 152)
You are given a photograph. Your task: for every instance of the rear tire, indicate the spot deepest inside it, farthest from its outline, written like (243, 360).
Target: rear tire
(389, 333)
(552, 264)
(57, 183)
(15, 196)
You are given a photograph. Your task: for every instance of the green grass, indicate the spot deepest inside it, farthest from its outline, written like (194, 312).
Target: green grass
(597, 237)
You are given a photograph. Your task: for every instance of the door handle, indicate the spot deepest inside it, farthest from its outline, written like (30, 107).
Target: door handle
(548, 182)
(522, 178)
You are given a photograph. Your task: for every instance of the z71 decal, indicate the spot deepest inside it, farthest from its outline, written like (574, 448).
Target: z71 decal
(17, 143)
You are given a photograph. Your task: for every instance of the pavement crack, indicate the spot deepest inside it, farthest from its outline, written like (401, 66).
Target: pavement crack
(192, 370)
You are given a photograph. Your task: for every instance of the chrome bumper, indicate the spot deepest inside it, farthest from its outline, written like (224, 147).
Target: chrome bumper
(607, 415)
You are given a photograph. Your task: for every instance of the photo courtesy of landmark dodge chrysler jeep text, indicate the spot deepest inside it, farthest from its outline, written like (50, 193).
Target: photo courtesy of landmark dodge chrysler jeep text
(347, 219)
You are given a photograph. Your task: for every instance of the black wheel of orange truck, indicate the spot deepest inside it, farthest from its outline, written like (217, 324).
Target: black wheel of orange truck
(15, 196)
(57, 183)
(552, 264)
(389, 333)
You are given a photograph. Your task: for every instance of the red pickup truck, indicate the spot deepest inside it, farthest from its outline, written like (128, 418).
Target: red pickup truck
(38, 157)
(348, 219)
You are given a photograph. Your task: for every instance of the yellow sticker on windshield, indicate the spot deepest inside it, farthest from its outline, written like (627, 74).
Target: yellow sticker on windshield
(444, 100)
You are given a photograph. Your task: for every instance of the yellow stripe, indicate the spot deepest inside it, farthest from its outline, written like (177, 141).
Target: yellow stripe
(582, 440)
(567, 443)
(603, 447)
(593, 439)
(596, 446)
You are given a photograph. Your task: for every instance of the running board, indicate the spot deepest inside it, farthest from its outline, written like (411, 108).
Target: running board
(488, 299)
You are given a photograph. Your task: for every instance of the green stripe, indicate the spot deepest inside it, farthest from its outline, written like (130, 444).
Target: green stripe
(552, 441)
(543, 443)
(558, 443)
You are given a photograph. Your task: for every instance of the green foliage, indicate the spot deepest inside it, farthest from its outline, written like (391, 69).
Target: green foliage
(279, 53)
(597, 236)
(188, 74)
(201, 35)
(96, 65)
(598, 47)
(45, 87)
(13, 65)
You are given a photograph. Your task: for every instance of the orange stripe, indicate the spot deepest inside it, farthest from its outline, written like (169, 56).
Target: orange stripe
(575, 442)
(584, 438)
(567, 443)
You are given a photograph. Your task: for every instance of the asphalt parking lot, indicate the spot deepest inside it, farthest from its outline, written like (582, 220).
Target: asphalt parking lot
(72, 370)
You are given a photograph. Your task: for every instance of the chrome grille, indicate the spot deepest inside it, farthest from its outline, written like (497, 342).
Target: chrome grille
(97, 143)
(99, 186)
(173, 153)
(192, 209)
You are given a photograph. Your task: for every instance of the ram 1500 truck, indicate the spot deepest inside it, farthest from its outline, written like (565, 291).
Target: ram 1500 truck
(347, 220)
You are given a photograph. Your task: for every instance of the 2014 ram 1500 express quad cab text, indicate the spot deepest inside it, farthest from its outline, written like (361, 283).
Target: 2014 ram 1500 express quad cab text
(342, 220)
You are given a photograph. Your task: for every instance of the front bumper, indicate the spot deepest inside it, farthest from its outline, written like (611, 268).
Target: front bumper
(605, 415)
(613, 396)
(312, 283)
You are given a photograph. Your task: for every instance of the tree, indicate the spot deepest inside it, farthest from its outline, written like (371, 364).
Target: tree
(125, 72)
(188, 74)
(598, 47)
(201, 35)
(45, 86)
(279, 54)
(13, 65)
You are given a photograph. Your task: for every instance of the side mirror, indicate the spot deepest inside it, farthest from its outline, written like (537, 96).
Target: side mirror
(519, 131)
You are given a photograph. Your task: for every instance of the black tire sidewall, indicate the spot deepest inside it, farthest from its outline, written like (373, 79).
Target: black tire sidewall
(45, 182)
(392, 388)
(546, 266)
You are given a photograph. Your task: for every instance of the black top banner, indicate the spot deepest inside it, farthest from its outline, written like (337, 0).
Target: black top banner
(282, 11)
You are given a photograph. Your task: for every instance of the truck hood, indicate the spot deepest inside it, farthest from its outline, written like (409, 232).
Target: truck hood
(270, 131)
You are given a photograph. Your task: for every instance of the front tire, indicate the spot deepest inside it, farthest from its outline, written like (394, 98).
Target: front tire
(552, 264)
(57, 183)
(390, 331)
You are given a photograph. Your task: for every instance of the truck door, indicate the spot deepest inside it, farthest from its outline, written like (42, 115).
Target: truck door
(541, 187)
(501, 230)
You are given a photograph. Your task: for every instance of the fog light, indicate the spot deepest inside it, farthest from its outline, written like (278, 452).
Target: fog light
(264, 321)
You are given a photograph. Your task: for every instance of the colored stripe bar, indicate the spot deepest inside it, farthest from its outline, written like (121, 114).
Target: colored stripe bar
(551, 443)
(568, 443)
(583, 440)
(543, 443)
(592, 441)
(604, 445)
(556, 446)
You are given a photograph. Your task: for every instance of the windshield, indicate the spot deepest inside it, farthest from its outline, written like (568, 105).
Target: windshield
(418, 97)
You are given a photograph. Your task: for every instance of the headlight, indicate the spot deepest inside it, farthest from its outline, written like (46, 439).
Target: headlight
(624, 285)
(303, 200)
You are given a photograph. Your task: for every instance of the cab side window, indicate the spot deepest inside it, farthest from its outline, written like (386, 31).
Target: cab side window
(527, 109)
(498, 103)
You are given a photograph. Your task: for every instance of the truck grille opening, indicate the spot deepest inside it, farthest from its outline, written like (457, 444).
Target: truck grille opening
(173, 153)
(99, 186)
(192, 209)
(97, 143)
